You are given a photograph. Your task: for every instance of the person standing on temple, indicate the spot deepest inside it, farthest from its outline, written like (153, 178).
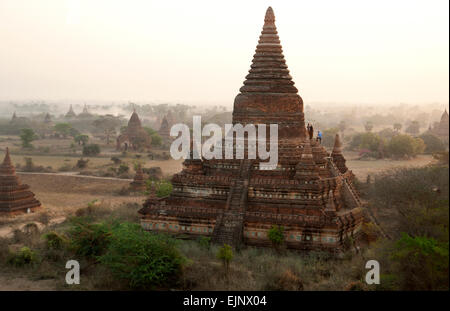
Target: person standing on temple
(311, 132)
(319, 137)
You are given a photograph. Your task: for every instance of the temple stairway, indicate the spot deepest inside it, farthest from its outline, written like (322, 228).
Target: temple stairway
(352, 199)
(230, 224)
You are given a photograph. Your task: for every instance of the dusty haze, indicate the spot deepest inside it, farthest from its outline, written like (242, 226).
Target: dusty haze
(200, 51)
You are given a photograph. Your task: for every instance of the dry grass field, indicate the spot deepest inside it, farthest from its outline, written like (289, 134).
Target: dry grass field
(361, 168)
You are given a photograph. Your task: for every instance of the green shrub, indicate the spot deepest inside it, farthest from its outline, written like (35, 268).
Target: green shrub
(405, 145)
(91, 150)
(156, 140)
(370, 141)
(276, 235)
(116, 160)
(144, 260)
(163, 189)
(225, 254)
(420, 263)
(54, 240)
(433, 143)
(27, 135)
(25, 256)
(89, 239)
(123, 168)
(205, 242)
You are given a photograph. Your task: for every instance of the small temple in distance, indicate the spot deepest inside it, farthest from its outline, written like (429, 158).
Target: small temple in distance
(134, 137)
(70, 114)
(441, 128)
(15, 197)
(164, 131)
(310, 193)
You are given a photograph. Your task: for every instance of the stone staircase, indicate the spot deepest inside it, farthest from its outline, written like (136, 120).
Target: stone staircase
(354, 200)
(229, 225)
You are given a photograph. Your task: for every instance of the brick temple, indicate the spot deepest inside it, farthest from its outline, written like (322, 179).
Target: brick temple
(15, 197)
(134, 136)
(441, 128)
(310, 193)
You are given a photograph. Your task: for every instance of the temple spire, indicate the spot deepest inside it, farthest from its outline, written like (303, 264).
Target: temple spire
(269, 71)
(337, 144)
(307, 169)
(337, 156)
(7, 160)
(270, 16)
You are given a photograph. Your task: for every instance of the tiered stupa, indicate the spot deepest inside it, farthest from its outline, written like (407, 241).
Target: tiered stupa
(337, 156)
(164, 131)
(236, 202)
(15, 197)
(134, 136)
(138, 184)
(441, 128)
(85, 114)
(70, 113)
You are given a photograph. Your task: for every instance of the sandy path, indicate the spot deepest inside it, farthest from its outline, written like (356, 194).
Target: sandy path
(12, 283)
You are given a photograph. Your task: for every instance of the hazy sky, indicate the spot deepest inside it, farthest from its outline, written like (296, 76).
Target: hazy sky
(384, 51)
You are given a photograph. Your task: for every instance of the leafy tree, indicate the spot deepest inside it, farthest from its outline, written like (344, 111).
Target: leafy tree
(81, 139)
(369, 141)
(328, 137)
(107, 125)
(150, 131)
(123, 168)
(405, 146)
(89, 239)
(397, 127)
(27, 136)
(91, 150)
(387, 133)
(73, 132)
(420, 263)
(417, 202)
(62, 129)
(368, 126)
(433, 143)
(156, 140)
(144, 260)
(418, 195)
(413, 128)
(225, 254)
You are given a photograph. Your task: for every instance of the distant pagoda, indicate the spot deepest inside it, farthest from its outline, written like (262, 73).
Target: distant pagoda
(138, 184)
(164, 131)
(70, 113)
(47, 118)
(15, 197)
(134, 136)
(310, 193)
(441, 128)
(85, 114)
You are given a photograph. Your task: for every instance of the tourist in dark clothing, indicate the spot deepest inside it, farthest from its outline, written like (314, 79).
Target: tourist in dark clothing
(311, 132)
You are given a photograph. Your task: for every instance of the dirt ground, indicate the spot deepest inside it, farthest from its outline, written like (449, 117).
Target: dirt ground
(62, 195)
(361, 168)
